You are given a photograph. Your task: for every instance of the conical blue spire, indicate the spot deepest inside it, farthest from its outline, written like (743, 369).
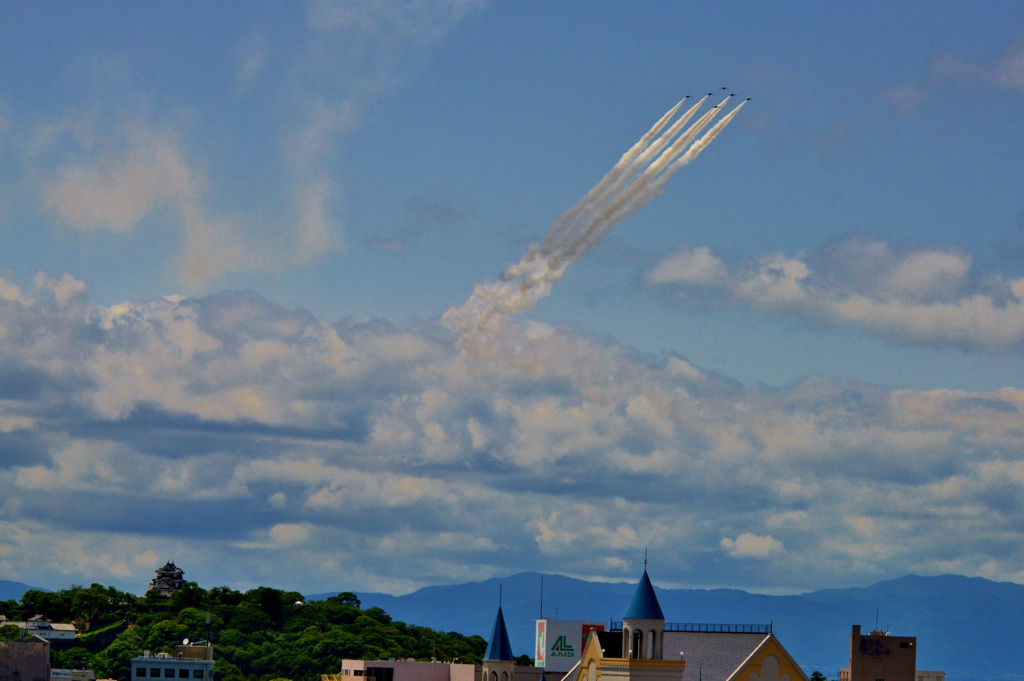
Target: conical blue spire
(644, 604)
(499, 648)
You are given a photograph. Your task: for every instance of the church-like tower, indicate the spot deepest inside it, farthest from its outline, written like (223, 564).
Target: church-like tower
(499, 663)
(643, 624)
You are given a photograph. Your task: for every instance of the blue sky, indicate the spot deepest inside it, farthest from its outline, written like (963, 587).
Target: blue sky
(230, 233)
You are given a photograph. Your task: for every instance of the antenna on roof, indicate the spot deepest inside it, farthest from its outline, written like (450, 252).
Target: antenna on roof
(645, 559)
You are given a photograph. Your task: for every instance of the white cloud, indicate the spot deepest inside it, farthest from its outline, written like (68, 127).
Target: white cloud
(63, 290)
(698, 266)
(280, 536)
(925, 296)
(115, 188)
(10, 291)
(289, 449)
(749, 545)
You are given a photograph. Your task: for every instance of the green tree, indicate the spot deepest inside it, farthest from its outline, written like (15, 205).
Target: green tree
(818, 676)
(10, 632)
(260, 635)
(347, 598)
(115, 662)
(11, 609)
(190, 595)
(73, 658)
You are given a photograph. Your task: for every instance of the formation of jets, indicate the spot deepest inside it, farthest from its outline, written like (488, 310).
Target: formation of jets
(724, 87)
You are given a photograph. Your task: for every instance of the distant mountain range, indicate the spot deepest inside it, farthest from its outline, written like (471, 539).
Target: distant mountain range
(969, 627)
(14, 590)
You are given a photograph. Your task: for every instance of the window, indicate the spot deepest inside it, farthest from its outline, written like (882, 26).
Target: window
(904, 644)
(358, 672)
(381, 673)
(182, 673)
(140, 671)
(155, 672)
(169, 673)
(197, 673)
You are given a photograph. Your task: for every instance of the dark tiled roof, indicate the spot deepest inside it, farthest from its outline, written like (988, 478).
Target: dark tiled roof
(710, 656)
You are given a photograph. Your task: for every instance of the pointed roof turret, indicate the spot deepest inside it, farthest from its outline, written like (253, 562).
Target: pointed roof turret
(644, 604)
(499, 648)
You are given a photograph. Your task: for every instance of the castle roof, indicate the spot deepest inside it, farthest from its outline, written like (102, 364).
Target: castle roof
(644, 604)
(499, 648)
(170, 569)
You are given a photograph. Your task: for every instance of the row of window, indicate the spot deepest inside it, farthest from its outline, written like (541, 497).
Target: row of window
(168, 673)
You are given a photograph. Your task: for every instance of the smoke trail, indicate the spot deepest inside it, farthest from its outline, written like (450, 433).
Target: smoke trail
(654, 188)
(561, 231)
(604, 221)
(633, 181)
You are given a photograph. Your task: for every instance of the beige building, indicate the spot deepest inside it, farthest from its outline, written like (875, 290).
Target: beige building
(401, 670)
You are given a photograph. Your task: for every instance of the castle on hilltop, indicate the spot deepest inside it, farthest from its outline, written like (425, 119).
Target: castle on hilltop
(168, 579)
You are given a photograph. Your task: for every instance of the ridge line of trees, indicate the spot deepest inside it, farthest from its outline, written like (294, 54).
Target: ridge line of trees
(258, 635)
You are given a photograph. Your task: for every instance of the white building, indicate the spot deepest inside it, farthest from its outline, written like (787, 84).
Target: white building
(188, 662)
(42, 627)
(72, 675)
(559, 643)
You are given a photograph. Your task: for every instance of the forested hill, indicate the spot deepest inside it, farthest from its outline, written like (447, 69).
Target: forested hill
(258, 635)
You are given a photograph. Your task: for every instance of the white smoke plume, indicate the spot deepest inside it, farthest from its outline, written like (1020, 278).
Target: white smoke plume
(636, 179)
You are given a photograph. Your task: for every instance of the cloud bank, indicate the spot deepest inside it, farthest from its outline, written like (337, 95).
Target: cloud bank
(923, 296)
(255, 443)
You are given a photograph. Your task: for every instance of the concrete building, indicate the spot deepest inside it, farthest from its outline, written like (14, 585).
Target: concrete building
(187, 662)
(878, 656)
(399, 670)
(168, 579)
(42, 627)
(25, 660)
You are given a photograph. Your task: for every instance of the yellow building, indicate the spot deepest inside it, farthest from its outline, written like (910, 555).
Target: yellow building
(646, 650)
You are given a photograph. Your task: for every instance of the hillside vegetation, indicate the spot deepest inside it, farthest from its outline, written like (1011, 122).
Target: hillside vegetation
(258, 635)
